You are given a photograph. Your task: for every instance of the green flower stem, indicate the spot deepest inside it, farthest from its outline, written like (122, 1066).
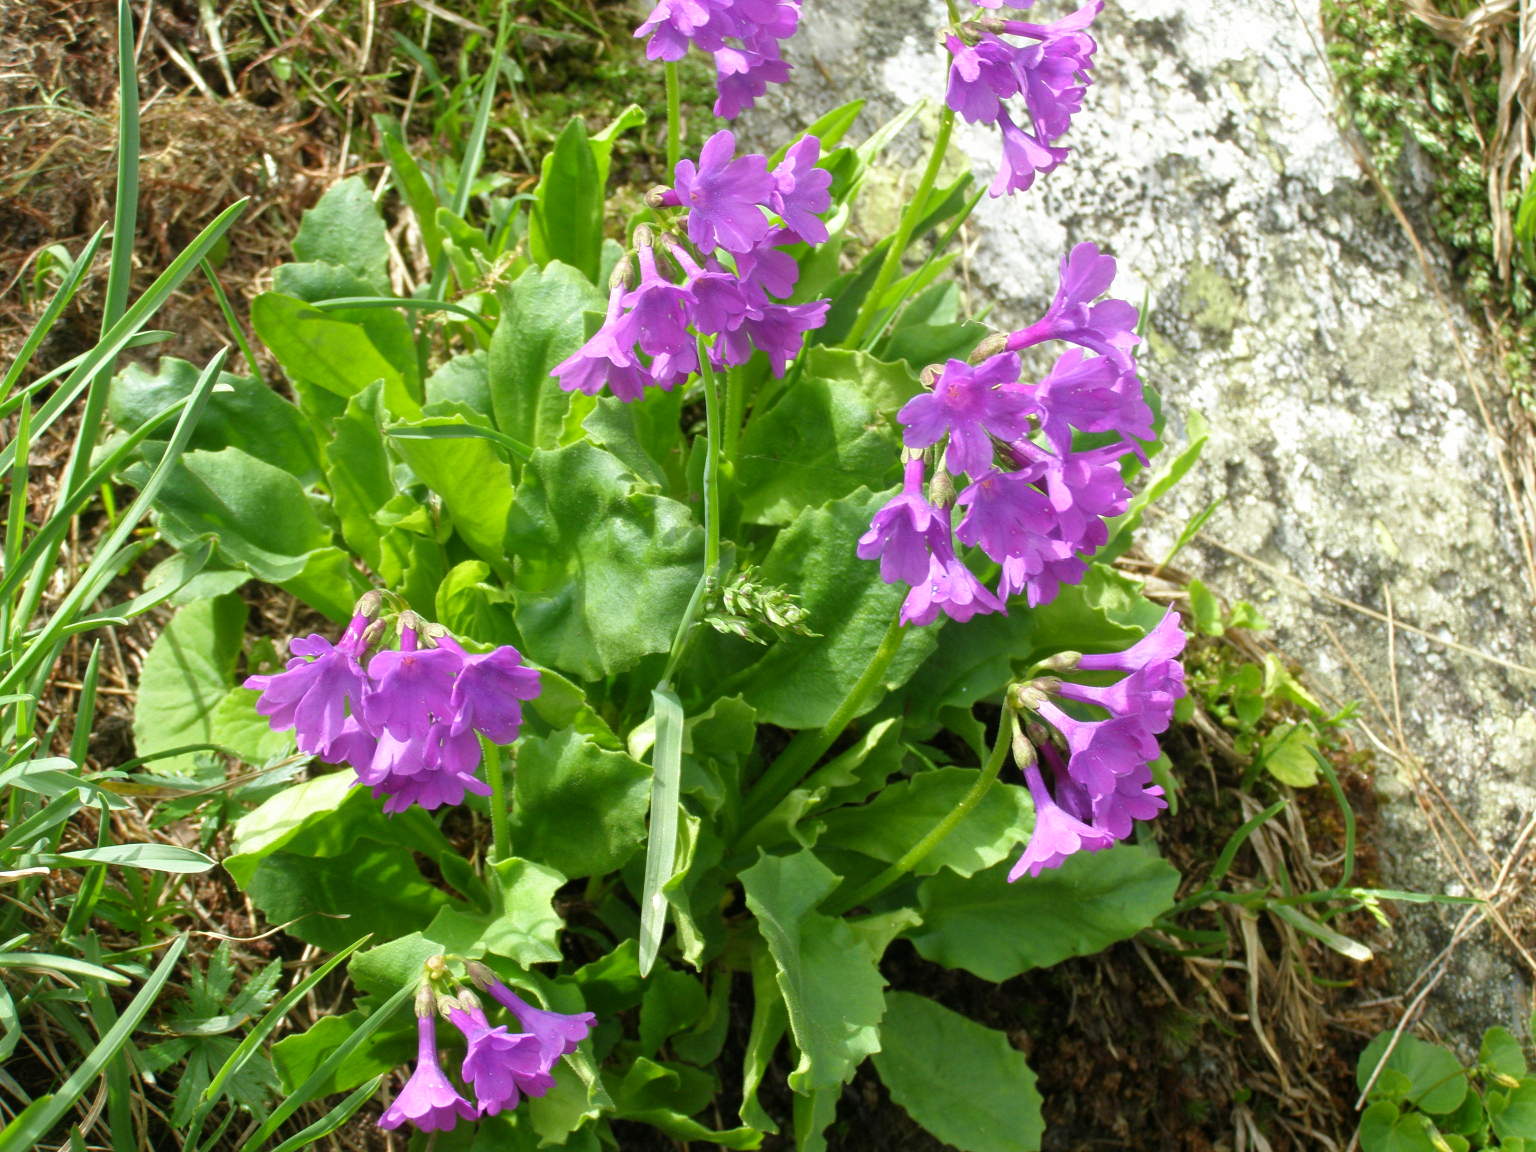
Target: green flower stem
(808, 747)
(501, 808)
(674, 118)
(910, 218)
(735, 414)
(711, 517)
(919, 851)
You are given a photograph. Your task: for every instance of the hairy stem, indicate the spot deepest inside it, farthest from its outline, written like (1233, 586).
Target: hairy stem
(919, 851)
(809, 746)
(674, 118)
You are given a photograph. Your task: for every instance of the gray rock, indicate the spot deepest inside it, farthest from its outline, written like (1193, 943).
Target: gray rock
(1287, 305)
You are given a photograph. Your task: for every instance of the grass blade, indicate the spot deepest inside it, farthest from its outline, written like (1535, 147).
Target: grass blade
(661, 843)
(28, 1129)
(320, 1075)
(50, 315)
(333, 1119)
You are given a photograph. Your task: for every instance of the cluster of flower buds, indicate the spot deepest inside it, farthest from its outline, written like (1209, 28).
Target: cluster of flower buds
(1049, 73)
(500, 1066)
(409, 720)
(721, 281)
(742, 35)
(1095, 795)
(1035, 505)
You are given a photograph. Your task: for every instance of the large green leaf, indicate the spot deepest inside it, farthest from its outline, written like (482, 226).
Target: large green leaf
(329, 901)
(577, 807)
(525, 929)
(241, 413)
(604, 568)
(185, 675)
(320, 350)
(344, 227)
(831, 984)
(388, 329)
(828, 435)
(985, 1100)
(1434, 1078)
(801, 680)
(320, 817)
(262, 520)
(906, 811)
(472, 477)
(998, 930)
(542, 322)
(567, 221)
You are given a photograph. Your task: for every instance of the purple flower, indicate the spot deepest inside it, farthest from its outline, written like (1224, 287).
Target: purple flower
(411, 689)
(905, 531)
(1040, 575)
(316, 696)
(767, 268)
(949, 587)
(981, 76)
(778, 330)
(1057, 835)
(724, 194)
(659, 310)
(1007, 515)
(801, 193)
(743, 74)
(607, 359)
(558, 1033)
(428, 1100)
(1160, 646)
(968, 404)
(499, 1064)
(1023, 156)
(1108, 327)
(674, 24)
(1135, 798)
(489, 692)
(1092, 394)
(1102, 751)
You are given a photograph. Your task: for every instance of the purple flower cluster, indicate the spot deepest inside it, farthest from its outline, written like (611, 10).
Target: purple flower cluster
(1034, 504)
(1049, 73)
(721, 281)
(500, 1066)
(1104, 785)
(742, 35)
(409, 720)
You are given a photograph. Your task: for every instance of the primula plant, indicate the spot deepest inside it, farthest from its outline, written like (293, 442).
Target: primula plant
(713, 608)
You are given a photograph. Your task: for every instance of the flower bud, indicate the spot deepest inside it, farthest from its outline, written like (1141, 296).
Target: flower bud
(1061, 662)
(369, 603)
(479, 974)
(426, 1000)
(941, 489)
(375, 632)
(1023, 750)
(930, 375)
(1028, 695)
(620, 277)
(991, 346)
(657, 196)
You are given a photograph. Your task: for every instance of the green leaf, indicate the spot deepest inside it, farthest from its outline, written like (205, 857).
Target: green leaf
(1204, 609)
(567, 220)
(604, 568)
(666, 1095)
(985, 1101)
(542, 322)
(463, 379)
(185, 677)
(237, 726)
(1435, 1079)
(320, 350)
(998, 930)
(832, 986)
(472, 477)
(472, 607)
(345, 228)
(263, 521)
(528, 929)
(1288, 755)
(150, 857)
(1513, 1114)
(1382, 1129)
(1501, 1053)
(241, 413)
(831, 433)
(907, 810)
(801, 680)
(388, 329)
(577, 807)
(661, 840)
